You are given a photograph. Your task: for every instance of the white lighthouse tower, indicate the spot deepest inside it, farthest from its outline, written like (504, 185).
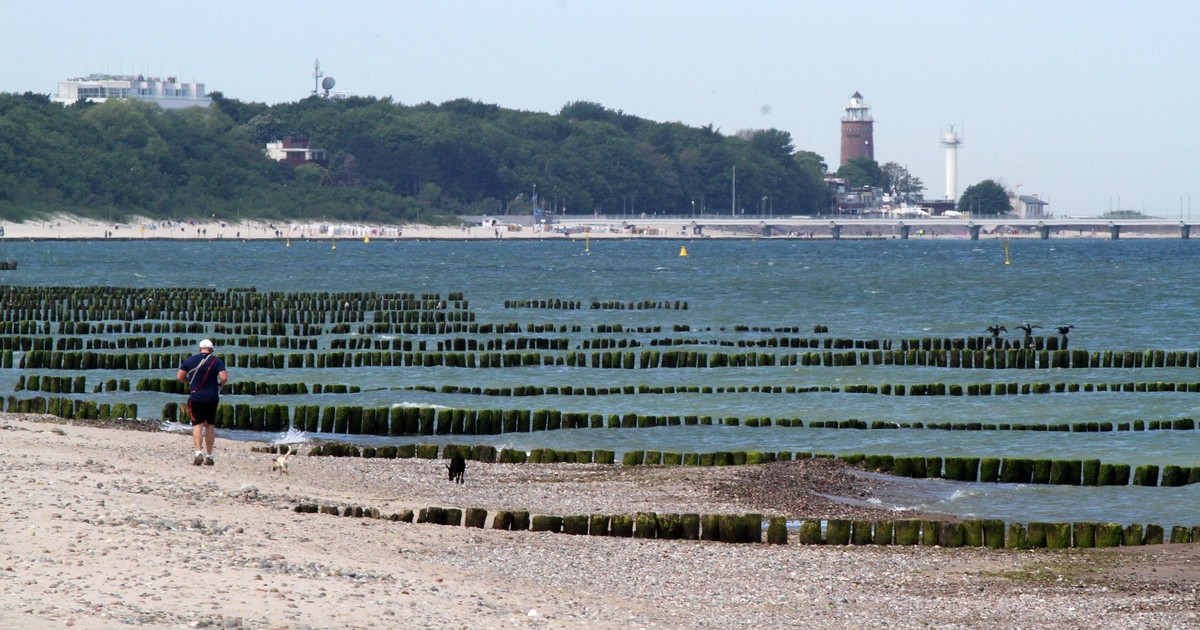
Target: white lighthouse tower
(951, 140)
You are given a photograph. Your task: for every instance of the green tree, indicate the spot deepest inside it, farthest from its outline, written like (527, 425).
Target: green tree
(900, 183)
(863, 172)
(128, 157)
(985, 198)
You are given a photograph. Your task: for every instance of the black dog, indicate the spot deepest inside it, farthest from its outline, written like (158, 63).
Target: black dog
(457, 467)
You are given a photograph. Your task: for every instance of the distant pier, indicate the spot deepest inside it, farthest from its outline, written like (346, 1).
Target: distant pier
(853, 228)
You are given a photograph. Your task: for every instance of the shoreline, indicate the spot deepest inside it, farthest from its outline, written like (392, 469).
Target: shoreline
(69, 228)
(106, 527)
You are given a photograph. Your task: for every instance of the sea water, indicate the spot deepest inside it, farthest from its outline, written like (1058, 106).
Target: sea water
(1133, 294)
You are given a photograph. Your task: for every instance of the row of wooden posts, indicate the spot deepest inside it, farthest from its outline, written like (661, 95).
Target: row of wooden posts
(748, 528)
(887, 389)
(1089, 472)
(420, 420)
(623, 359)
(595, 305)
(74, 301)
(42, 303)
(72, 408)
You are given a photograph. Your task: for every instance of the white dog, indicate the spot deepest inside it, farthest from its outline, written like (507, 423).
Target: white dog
(281, 462)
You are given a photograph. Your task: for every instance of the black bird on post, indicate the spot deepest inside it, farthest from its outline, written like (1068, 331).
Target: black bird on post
(995, 332)
(1028, 328)
(1064, 331)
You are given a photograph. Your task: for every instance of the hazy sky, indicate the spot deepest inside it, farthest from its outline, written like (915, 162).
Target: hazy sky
(1080, 102)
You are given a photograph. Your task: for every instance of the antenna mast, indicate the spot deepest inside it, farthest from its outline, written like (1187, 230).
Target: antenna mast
(317, 74)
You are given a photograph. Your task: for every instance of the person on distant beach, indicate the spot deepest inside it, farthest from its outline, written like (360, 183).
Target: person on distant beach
(205, 374)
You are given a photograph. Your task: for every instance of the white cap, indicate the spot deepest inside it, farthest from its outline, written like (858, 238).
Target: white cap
(206, 343)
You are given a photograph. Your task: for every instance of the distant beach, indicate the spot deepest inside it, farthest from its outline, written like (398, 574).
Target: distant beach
(523, 227)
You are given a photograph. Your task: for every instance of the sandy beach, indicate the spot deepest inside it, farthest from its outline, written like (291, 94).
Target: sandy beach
(522, 228)
(107, 527)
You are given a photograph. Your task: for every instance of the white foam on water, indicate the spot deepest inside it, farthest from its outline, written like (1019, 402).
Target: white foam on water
(963, 493)
(292, 436)
(168, 426)
(405, 403)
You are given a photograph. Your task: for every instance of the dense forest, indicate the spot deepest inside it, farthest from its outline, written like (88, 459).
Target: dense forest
(388, 162)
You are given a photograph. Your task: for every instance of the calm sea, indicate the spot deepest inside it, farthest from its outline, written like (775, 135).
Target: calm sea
(1131, 294)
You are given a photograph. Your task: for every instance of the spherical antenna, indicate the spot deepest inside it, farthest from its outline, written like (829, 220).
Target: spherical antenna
(327, 83)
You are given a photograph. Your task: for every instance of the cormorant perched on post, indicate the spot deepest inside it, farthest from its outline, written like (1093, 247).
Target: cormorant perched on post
(995, 332)
(1064, 331)
(1028, 328)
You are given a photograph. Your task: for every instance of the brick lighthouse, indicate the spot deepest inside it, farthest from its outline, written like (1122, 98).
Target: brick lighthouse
(858, 138)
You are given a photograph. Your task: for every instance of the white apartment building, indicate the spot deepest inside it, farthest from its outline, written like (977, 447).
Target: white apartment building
(168, 93)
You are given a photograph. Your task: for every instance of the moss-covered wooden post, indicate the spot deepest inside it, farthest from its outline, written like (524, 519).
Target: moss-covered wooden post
(950, 534)
(1154, 534)
(1146, 475)
(1041, 471)
(1091, 472)
(475, 517)
(973, 533)
(929, 533)
(691, 526)
(1133, 536)
(729, 528)
(520, 521)
(646, 525)
(837, 532)
(546, 523)
(752, 528)
(1109, 534)
(598, 525)
(575, 525)
(710, 527)
(907, 532)
(1058, 535)
(1014, 537)
(1083, 534)
(777, 533)
(1035, 535)
(1180, 535)
(502, 520)
(1065, 472)
(861, 533)
(621, 526)
(993, 533)
(668, 527)
(884, 532)
(989, 469)
(809, 533)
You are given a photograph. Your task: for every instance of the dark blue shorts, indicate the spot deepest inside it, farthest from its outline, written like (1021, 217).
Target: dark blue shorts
(202, 412)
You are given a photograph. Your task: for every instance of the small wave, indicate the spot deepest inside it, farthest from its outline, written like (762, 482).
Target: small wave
(292, 436)
(962, 493)
(173, 427)
(138, 275)
(405, 403)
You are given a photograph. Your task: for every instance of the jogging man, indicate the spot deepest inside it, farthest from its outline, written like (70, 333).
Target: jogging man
(205, 374)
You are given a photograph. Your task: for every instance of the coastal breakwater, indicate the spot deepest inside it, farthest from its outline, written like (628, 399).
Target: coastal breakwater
(749, 528)
(63, 344)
